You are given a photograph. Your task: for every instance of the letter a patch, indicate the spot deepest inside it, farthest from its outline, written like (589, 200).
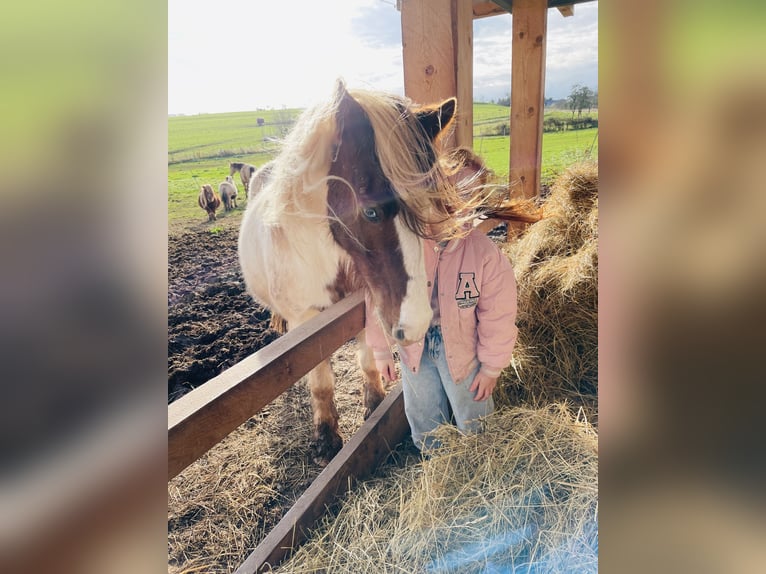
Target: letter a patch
(467, 294)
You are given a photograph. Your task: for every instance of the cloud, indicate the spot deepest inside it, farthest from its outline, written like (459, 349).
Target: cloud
(571, 53)
(379, 26)
(236, 55)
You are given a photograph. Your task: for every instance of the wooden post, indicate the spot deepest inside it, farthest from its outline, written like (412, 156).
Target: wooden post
(437, 48)
(527, 95)
(462, 39)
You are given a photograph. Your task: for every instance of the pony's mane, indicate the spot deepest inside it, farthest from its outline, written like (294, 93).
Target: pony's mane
(408, 160)
(406, 155)
(300, 169)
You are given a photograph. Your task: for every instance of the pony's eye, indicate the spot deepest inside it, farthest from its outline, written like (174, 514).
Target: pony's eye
(371, 214)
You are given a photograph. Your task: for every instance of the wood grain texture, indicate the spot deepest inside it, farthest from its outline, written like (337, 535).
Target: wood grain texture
(428, 53)
(462, 41)
(437, 44)
(527, 95)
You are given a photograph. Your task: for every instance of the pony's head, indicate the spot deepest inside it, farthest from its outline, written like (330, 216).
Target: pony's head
(207, 191)
(384, 189)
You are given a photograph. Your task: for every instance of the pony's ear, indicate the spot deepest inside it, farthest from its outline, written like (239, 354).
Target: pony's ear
(340, 90)
(435, 119)
(347, 112)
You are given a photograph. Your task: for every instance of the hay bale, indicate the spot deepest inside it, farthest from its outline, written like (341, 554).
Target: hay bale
(522, 496)
(556, 265)
(576, 189)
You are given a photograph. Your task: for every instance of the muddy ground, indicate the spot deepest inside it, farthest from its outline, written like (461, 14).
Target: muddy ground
(212, 322)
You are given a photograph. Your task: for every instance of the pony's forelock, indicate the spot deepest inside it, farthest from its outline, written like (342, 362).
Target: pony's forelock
(408, 160)
(331, 215)
(299, 172)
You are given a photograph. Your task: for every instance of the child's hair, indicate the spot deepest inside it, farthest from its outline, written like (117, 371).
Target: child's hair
(480, 194)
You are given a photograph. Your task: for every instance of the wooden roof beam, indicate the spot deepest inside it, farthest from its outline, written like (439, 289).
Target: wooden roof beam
(484, 8)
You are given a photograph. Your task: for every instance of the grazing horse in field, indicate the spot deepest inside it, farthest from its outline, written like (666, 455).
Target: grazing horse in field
(228, 193)
(209, 201)
(345, 206)
(259, 179)
(245, 170)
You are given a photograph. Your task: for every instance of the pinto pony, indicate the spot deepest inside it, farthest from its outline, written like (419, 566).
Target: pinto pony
(228, 193)
(245, 170)
(209, 201)
(345, 206)
(259, 179)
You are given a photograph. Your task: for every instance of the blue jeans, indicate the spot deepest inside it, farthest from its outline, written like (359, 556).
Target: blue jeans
(431, 394)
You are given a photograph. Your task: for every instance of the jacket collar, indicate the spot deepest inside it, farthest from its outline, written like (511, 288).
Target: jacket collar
(453, 244)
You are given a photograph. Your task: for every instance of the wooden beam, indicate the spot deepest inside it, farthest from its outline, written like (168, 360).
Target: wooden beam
(566, 11)
(462, 39)
(428, 50)
(199, 420)
(506, 5)
(527, 95)
(482, 9)
(385, 428)
(437, 49)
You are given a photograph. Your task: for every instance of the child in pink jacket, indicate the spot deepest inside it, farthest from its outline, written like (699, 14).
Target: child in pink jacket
(454, 369)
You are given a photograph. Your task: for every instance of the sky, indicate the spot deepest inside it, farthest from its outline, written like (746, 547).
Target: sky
(243, 55)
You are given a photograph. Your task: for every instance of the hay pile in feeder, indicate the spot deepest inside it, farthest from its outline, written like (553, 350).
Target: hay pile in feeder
(521, 497)
(556, 266)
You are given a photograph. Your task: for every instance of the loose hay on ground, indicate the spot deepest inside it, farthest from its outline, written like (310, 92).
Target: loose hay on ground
(556, 266)
(520, 497)
(224, 504)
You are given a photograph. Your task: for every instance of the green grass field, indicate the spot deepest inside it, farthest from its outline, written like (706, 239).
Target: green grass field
(560, 149)
(200, 148)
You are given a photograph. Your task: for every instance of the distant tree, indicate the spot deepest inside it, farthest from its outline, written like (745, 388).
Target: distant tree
(504, 101)
(285, 120)
(579, 99)
(548, 102)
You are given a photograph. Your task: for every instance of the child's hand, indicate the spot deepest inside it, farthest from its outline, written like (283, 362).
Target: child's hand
(483, 385)
(386, 368)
